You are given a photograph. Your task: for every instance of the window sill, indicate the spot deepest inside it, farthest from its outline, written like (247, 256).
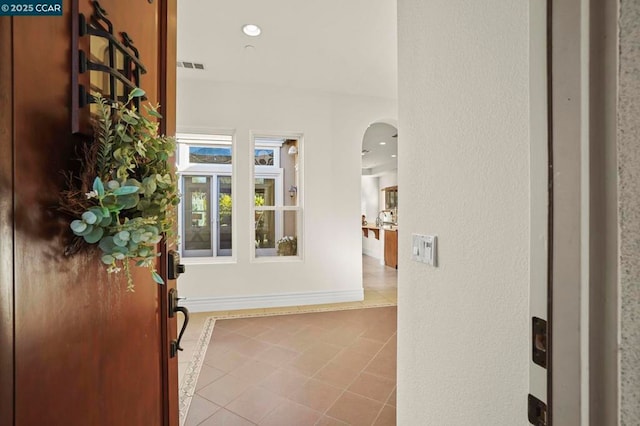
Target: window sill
(208, 260)
(277, 259)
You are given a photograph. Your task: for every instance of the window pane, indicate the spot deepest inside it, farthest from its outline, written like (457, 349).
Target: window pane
(264, 157)
(288, 163)
(196, 217)
(265, 235)
(265, 192)
(288, 244)
(224, 216)
(210, 154)
(279, 234)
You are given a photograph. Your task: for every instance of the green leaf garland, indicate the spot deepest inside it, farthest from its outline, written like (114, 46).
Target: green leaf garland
(128, 213)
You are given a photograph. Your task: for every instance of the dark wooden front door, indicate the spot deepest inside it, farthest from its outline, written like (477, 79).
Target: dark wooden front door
(75, 347)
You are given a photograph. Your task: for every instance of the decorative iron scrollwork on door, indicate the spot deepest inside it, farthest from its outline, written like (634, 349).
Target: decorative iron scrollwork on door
(116, 62)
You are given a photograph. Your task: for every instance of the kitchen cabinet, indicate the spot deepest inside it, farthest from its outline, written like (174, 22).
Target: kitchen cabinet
(390, 197)
(391, 248)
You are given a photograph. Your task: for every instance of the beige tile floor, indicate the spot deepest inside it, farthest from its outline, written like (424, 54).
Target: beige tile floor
(335, 367)
(380, 288)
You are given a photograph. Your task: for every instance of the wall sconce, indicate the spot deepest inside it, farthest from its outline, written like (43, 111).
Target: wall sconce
(293, 150)
(293, 190)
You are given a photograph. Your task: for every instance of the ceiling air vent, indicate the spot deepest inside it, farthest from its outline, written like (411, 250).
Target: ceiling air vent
(190, 65)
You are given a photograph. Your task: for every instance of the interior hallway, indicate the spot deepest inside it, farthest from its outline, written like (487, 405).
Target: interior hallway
(380, 287)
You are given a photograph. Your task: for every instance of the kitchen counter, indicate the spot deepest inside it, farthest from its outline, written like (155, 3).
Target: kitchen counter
(376, 230)
(367, 228)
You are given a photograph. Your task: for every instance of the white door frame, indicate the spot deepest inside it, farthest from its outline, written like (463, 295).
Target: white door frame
(584, 324)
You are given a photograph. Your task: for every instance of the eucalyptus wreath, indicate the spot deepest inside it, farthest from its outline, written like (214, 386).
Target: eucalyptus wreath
(124, 199)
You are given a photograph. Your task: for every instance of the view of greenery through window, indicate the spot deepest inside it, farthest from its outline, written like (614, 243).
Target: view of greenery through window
(205, 165)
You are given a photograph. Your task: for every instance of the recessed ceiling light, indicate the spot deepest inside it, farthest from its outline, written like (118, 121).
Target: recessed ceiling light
(383, 143)
(393, 156)
(251, 30)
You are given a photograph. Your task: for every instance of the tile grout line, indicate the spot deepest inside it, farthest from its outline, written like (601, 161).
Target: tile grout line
(346, 389)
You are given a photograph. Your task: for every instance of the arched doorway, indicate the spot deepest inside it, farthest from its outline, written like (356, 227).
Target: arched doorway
(379, 185)
(379, 208)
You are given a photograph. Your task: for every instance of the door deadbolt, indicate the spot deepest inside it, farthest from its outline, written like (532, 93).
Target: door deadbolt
(175, 268)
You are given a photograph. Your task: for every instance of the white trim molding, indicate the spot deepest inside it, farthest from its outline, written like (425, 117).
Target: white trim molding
(228, 303)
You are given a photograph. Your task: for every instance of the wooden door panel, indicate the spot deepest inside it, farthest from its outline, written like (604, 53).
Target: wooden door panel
(86, 351)
(167, 97)
(6, 226)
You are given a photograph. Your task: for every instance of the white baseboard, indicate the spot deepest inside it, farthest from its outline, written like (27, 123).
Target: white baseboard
(228, 303)
(371, 253)
(378, 258)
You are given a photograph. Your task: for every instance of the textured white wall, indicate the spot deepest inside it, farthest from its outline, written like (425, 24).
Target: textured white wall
(629, 210)
(464, 175)
(333, 126)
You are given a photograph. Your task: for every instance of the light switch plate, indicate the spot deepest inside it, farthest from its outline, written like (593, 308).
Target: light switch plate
(424, 248)
(415, 247)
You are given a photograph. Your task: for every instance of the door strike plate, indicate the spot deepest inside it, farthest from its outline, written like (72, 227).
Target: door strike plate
(537, 412)
(539, 341)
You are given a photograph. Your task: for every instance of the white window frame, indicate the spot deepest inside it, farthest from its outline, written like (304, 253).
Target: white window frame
(276, 174)
(268, 139)
(213, 171)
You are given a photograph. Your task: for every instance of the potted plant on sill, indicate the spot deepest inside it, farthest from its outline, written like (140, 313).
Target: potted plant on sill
(287, 246)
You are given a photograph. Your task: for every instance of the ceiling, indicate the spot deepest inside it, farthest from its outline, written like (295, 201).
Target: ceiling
(378, 147)
(341, 46)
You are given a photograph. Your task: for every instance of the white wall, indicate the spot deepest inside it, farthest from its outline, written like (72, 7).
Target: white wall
(333, 126)
(374, 247)
(463, 172)
(388, 179)
(370, 197)
(370, 206)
